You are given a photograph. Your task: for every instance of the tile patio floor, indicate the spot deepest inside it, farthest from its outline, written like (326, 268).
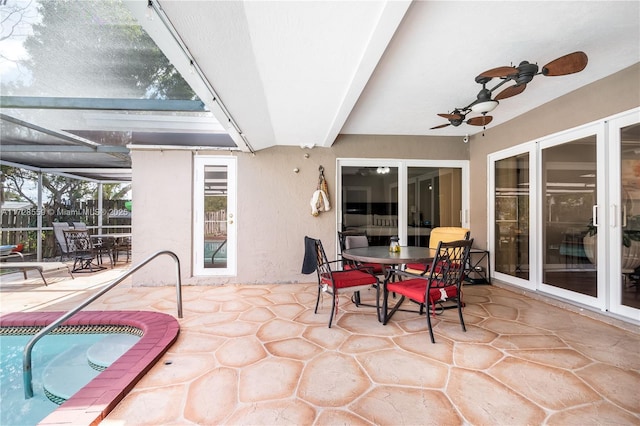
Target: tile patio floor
(257, 354)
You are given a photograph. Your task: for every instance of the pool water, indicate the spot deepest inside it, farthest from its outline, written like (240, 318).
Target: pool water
(210, 248)
(72, 371)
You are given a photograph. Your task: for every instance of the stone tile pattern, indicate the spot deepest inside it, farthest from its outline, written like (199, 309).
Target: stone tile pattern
(257, 354)
(92, 403)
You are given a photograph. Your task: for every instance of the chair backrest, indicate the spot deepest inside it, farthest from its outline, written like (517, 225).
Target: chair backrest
(323, 265)
(310, 262)
(342, 237)
(447, 234)
(78, 241)
(79, 225)
(448, 267)
(356, 241)
(58, 231)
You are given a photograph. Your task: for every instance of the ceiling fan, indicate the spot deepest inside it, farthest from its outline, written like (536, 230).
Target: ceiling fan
(521, 76)
(457, 117)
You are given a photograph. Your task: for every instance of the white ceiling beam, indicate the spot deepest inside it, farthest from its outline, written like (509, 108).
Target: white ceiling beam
(390, 19)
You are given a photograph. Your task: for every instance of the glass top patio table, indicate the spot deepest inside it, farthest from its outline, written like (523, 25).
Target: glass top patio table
(382, 255)
(114, 235)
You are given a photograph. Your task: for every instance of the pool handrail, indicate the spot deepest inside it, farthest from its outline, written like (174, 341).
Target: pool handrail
(26, 358)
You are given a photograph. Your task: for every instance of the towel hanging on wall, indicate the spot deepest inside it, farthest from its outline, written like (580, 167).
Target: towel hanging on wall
(320, 198)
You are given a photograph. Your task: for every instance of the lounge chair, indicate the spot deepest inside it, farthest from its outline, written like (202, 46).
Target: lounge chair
(41, 267)
(61, 242)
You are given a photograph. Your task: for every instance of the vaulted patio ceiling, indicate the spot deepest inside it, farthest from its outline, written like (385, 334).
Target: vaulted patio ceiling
(302, 72)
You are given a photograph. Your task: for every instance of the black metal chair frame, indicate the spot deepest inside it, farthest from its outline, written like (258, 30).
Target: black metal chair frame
(82, 250)
(447, 270)
(326, 281)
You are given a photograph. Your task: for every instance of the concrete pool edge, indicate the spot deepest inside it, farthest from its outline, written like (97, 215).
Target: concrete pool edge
(93, 402)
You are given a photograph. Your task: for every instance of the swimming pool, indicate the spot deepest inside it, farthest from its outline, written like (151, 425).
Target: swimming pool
(61, 367)
(96, 399)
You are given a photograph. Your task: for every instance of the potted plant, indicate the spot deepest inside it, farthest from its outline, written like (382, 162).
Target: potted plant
(630, 243)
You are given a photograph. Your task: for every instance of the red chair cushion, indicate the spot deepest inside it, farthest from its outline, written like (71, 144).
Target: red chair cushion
(375, 268)
(349, 278)
(423, 267)
(436, 293)
(416, 289)
(417, 266)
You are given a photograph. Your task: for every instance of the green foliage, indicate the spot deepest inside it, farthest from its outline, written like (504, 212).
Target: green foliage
(96, 49)
(19, 185)
(215, 203)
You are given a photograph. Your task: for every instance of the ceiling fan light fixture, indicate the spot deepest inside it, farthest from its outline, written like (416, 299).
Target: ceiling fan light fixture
(484, 106)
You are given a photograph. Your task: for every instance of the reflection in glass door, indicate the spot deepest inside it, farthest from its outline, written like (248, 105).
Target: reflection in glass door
(629, 295)
(511, 245)
(570, 216)
(383, 198)
(370, 202)
(434, 198)
(215, 221)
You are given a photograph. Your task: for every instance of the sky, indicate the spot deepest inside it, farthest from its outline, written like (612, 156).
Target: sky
(17, 18)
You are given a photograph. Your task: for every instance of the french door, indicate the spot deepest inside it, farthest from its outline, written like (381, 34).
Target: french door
(404, 198)
(215, 218)
(565, 215)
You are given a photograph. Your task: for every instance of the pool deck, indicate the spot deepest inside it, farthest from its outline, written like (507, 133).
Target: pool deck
(257, 354)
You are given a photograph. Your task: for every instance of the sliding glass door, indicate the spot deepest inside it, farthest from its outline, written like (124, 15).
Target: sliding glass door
(571, 214)
(406, 198)
(624, 133)
(370, 201)
(511, 207)
(570, 225)
(434, 198)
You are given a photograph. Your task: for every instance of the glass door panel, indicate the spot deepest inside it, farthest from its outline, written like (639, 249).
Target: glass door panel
(215, 221)
(370, 202)
(630, 215)
(569, 202)
(512, 216)
(434, 198)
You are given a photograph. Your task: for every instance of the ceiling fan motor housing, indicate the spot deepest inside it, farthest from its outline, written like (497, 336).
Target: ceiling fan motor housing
(526, 72)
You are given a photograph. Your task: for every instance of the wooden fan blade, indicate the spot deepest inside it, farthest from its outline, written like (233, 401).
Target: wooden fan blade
(567, 64)
(452, 116)
(480, 121)
(498, 72)
(510, 91)
(441, 126)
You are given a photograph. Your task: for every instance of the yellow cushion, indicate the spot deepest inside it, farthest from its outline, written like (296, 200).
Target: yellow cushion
(446, 234)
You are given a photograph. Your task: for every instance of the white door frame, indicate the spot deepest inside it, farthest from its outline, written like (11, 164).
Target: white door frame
(402, 166)
(199, 163)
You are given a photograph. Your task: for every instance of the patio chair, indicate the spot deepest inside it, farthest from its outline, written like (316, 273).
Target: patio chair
(356, 241)
(334, 281)
(435, 287)
(82, 250)
(443, 233)
(104, 246)
(61, 242)
(123, 245)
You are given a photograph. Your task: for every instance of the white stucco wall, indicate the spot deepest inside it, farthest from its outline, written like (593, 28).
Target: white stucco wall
(273, 213)
(161, 212)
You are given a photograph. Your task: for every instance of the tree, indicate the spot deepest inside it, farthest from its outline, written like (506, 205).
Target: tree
(97, 49)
